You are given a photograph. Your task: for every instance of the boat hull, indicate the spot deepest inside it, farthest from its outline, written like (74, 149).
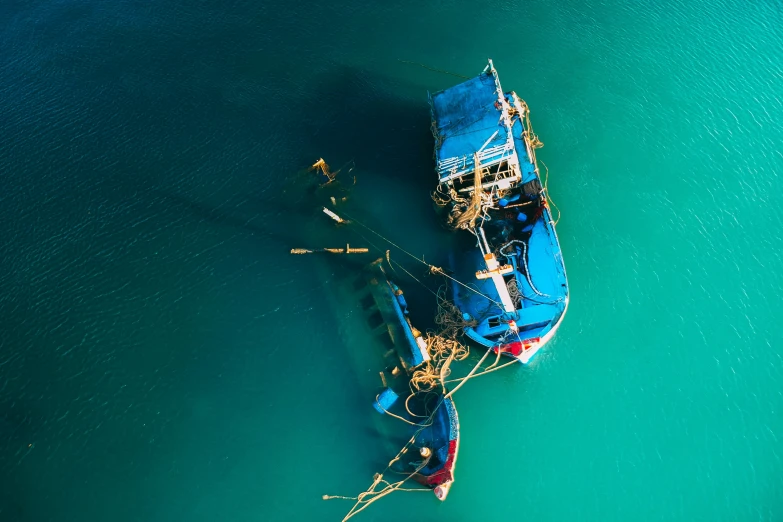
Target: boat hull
(511, 281)
(440, 435)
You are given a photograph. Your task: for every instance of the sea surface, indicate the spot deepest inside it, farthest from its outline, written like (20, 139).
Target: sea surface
(164, 358)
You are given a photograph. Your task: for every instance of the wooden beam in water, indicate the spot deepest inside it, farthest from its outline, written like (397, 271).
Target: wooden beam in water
(346, 250)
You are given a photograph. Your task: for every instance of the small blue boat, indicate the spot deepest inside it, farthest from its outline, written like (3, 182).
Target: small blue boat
(431, 415)
(516, 292)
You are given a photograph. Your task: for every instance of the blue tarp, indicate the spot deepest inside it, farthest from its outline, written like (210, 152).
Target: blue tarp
(544, 265)
(466, 117)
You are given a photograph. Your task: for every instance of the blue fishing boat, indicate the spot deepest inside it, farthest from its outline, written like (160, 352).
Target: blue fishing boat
(428, 411)
(489, 185)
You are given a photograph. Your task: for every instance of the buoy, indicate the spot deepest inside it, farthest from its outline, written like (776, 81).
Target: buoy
(403, 304)
(441, 492)
(385, 400)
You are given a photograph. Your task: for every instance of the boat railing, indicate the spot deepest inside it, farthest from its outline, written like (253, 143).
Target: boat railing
(485, 156)
(527, 130)
(489, 156)
(503, 180)
(458, 166)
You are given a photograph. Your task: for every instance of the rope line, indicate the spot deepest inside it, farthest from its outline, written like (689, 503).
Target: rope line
(433, 374)
(403, 419)
(392, 263)
(437, 347)
(385, 239)
(388, 258)
(434, 269)
(548, 197)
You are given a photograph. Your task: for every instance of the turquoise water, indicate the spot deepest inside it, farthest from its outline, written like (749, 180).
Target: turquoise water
(163, 358)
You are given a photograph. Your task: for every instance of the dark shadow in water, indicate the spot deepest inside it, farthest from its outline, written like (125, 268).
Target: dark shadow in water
(254, 225)
(11, 509)
(16, 440)
(383, 124)
(361, 115)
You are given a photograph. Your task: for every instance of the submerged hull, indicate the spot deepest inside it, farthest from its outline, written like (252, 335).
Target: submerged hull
(515, 292)
(437, 438)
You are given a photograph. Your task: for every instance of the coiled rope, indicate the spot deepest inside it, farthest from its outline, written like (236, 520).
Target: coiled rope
(430, 374)
(516, 290)
(524, 262)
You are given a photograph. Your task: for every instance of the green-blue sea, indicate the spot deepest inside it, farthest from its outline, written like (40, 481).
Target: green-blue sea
(164, 358)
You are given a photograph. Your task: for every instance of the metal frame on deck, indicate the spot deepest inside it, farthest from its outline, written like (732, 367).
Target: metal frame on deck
(457, 167)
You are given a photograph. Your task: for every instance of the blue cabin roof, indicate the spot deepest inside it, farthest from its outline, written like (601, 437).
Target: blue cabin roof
(475, 117)
(467, 115)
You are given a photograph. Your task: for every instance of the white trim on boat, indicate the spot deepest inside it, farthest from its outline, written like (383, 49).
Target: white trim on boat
(525, 357)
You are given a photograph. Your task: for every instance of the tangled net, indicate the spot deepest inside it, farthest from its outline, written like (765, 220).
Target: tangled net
(442, 347)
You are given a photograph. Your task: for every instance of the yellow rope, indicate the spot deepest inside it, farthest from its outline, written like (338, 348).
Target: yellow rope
(468, 376)
(488, 369)
(361, 500)
(467, 218)
(437, 346)
(548, 197)
(433, 372)
(536, 143)
(378, 479)
(449, 317)
(403, 419)
(437, 270)
(408, 409)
